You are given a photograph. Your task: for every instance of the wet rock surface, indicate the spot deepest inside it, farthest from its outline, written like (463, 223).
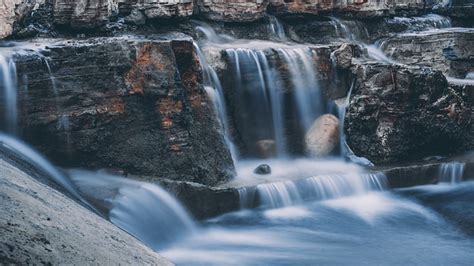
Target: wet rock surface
(398, 113)
(40, 225)
(136, 105)
(449, 50)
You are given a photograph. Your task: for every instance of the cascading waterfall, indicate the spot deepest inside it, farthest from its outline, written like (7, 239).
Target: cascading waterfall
(357, 32)
(213, 88)
(303, 73)
(429, 21)
(451, 172)
(8, 82)
(260, 92)
(144, 210)
(321, 187)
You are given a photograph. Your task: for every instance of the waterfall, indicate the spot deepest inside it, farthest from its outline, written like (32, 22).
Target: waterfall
(303, 73)
(144, 210)
(345, 150)
(259, 92)
(429, 21)
(321, 187)
(8, 82)
(451, 172)
(276, 28)
(214, 90)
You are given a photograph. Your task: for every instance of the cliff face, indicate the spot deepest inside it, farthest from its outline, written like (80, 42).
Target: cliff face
(136, 105)
(32, 17)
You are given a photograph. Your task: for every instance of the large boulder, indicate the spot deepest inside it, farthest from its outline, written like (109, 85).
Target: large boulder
(131, 104)
(39, 225)
(399, 113)
(323, 136)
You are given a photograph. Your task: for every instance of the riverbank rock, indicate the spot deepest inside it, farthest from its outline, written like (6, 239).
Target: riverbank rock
(39, 225)
(131, 104)
(399, 113)
(323, 136)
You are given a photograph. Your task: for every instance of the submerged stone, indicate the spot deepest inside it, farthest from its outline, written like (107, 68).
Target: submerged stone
(263, 169)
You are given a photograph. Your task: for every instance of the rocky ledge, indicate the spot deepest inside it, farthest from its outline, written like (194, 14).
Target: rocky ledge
(44, 16)
(130, 104)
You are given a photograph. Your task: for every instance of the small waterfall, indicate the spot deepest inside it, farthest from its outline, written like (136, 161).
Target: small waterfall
(451, 172)
(322, 187)
(259, 93)
(357, 32)
(303, 72)
(8, 83)
(429, 21)
(345, 150)
(144, 210)
(276, 28)
(214, 90)
(210, 34)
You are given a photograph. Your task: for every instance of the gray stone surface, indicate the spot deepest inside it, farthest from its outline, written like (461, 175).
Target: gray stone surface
(39, 225)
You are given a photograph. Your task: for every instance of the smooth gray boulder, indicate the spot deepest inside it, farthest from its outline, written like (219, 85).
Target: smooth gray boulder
(39, 225)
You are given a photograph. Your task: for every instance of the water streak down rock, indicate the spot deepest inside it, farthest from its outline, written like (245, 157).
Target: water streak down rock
(137, 105)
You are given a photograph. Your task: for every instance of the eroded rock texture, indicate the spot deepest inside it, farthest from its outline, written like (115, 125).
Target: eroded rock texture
(399, 113)
(450, 50)
(136, 105)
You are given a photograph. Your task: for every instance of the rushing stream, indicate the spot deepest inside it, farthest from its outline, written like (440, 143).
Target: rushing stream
(376, 228)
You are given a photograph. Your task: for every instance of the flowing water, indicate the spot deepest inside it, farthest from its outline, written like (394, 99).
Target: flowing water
(451, 172)
(142, 209)
(8, 85)
(377, 228)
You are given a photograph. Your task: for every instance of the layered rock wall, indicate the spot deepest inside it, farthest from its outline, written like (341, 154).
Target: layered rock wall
(134, 105)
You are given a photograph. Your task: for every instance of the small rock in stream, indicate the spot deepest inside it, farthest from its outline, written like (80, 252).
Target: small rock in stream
(263, 169)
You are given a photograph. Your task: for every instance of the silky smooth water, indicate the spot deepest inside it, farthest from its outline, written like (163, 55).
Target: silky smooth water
(378, 228)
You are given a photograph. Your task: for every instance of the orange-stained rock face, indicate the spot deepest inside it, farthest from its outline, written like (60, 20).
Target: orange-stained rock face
(134, 105)
(149, 60)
